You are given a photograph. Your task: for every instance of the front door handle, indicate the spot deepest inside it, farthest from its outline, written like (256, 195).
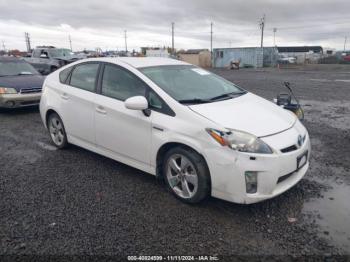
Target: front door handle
(64, 96)
(101, 110)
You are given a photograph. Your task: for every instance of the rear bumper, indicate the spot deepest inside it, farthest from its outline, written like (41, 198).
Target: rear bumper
(19, 100)
(276, 173)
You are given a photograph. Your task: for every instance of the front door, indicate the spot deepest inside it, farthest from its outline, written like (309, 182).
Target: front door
(124, 132)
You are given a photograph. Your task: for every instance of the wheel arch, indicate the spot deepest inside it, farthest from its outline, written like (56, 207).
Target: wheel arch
(166, 147)
(48, 113)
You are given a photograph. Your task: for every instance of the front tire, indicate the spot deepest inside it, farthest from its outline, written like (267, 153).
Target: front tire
(57, 131)
(186, 175)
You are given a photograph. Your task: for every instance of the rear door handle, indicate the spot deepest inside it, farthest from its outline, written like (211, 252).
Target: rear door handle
(64, 96)
(101, 110)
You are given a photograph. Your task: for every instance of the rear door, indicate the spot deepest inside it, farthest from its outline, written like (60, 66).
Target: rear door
(125, 133)
(78, 103)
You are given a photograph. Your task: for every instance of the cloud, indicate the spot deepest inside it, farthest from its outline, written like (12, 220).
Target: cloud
(93, 23)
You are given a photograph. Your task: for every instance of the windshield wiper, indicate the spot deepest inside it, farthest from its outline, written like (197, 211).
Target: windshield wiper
(213, 99)
(194, 101)
(228, 95)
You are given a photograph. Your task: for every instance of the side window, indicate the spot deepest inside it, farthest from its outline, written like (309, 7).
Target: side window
(154, 101)
(36, 53)
(84, 76)
(157, 104)
(64, 75)
(120, 84)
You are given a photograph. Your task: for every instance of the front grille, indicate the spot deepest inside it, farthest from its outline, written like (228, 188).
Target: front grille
(30, 90)
(289, 149)
(282, 178)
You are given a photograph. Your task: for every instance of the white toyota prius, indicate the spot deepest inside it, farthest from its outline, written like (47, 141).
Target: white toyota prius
(200, 133)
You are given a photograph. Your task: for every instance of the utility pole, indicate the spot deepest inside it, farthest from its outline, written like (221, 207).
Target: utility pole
(274, 36)
(262, 26)
(211, 43)
(126, 44)
(70, 43)
(346, 38)
(27, 39)
(172, 39)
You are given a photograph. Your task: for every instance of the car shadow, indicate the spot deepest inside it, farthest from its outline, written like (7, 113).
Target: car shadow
(288, 204)
(20, 110)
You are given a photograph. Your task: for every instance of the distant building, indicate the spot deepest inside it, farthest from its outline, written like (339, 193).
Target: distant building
(155, 51)
(268, 56)
(247, 56)
(198, 57)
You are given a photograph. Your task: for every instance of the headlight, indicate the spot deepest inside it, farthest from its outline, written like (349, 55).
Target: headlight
(7, 90)
(240, 141)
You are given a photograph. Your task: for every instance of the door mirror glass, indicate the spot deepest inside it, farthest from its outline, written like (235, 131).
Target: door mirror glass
(136, 103)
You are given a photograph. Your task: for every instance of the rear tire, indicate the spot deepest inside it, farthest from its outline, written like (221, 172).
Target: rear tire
(186, 175)
(56, 130)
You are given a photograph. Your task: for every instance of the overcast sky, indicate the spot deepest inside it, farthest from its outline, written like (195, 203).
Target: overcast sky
(93, 23)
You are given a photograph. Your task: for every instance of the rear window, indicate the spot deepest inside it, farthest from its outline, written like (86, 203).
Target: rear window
(84, 76)
(64, 75)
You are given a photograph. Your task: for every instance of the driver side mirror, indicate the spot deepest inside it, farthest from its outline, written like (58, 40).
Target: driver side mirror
(136, 103)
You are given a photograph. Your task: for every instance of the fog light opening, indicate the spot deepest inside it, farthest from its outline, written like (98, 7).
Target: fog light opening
(10, 103)
(251, 181)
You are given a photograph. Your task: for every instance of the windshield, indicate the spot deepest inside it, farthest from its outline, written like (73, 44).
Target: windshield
(187, 83)
(59, 52)
(14, 68)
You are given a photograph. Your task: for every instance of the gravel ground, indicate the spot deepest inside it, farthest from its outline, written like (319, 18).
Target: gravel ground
(74, 202)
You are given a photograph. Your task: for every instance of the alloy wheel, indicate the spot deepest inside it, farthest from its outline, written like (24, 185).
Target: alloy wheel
(182, 176)
(56, 131)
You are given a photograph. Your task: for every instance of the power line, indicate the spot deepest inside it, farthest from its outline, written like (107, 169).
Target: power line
(310, 26)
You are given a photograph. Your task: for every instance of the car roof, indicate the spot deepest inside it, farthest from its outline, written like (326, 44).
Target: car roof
(139, 62)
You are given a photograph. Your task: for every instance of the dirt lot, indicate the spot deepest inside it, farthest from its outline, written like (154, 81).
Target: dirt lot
(69, 202)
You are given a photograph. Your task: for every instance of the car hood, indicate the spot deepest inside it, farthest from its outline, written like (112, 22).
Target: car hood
(22, 81)
(248, 113)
